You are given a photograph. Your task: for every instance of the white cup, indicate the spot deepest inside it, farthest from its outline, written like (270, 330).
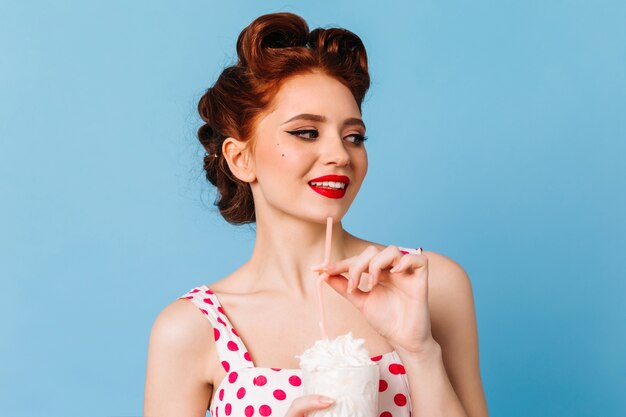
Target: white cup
(354, 390)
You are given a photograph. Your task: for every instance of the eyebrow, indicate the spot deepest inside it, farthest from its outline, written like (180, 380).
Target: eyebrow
(352, 121)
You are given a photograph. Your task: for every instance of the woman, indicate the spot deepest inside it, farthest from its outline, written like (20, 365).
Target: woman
(284, 139)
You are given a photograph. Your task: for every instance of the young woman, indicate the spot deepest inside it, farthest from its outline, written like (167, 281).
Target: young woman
(284, 139)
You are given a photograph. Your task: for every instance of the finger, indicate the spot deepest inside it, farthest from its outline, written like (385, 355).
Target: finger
(360, 265)
(408, 262)
(339, 283)
(302, 405)
(339, 267)
(390, 256)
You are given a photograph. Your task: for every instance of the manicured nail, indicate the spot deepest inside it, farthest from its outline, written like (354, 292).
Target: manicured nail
(326, 400)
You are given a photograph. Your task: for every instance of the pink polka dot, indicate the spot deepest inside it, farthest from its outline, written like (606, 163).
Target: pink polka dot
(377, 358)
(259, 381)
(234, 332)
(265, 410)
(204, 311)
(228, 409)
(386, 414)
(404, 252)
(382, 385)
(232, 346)
(295, 380)
(397, 369)
(232, 377)
(222, 322)
(209, 292)
(208, 301)
(221, 310)
(216, 334)
(279, 394)
(189, 297)
(226, 366)
(241, 392)
(275, 369)
(194, 291)
(249, 411)
(399, 399)
(247, 356)
(221, 394)
(216, 411)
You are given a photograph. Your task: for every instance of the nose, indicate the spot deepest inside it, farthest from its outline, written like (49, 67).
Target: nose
(334, 151)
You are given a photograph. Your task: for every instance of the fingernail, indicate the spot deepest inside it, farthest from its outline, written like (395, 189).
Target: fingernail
(394, 269)
(326, 400)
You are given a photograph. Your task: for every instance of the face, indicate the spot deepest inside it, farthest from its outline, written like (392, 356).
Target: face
(308, 156)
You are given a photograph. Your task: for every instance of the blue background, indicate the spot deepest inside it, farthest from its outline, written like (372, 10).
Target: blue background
(497, 136)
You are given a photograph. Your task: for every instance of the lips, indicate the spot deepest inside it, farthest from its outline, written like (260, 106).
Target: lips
(331, 186)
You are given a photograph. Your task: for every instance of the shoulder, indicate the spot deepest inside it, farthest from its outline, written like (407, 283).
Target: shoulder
(181, 328)
(446, 273)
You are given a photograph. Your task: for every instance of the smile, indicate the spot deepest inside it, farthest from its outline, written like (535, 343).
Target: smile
(331, 186)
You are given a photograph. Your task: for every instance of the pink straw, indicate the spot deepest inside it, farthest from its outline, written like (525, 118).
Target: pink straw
(324, 275)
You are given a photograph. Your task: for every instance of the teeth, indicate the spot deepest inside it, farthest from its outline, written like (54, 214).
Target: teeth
(329, 184)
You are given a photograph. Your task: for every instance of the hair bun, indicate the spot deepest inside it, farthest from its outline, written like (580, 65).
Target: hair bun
(270, 31)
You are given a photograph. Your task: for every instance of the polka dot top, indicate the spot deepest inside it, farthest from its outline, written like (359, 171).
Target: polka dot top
(249, 391)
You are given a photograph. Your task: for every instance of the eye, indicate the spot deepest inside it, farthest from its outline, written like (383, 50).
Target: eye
(356, 138)
(306, 134)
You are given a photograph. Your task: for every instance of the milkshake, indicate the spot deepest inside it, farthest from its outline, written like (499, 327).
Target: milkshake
(341, 369)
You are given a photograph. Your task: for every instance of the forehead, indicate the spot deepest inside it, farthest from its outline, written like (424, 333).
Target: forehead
(314, 93)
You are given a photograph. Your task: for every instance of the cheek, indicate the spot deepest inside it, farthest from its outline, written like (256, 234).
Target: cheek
(292, 157)
(281, 159)
(361, 163)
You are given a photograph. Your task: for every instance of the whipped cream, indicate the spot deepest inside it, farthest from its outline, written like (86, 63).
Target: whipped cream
(344, 351)
(341, 369)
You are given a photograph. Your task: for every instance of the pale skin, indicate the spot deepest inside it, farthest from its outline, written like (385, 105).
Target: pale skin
(419, 305)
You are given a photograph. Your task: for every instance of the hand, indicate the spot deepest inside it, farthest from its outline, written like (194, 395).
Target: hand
(302, 405)
(396, 304)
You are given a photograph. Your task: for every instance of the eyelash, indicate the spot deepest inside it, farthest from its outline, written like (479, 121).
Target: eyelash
(358, 138)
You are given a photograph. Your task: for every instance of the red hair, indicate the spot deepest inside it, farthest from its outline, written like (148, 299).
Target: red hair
(271, 49)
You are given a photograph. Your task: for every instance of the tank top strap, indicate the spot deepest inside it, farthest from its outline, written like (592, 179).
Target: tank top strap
(230, 348)
(411, 251)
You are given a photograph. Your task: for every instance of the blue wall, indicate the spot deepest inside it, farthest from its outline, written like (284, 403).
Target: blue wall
(497, 136)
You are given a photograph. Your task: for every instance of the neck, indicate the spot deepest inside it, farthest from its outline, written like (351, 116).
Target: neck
(285, 250)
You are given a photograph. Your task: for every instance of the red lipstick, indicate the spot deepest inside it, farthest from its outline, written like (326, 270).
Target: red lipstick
(330, 191)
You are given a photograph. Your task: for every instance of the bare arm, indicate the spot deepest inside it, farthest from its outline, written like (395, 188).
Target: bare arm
(176, 382)
(454, 328)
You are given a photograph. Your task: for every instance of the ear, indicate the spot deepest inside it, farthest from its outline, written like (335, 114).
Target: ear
(239, 158)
